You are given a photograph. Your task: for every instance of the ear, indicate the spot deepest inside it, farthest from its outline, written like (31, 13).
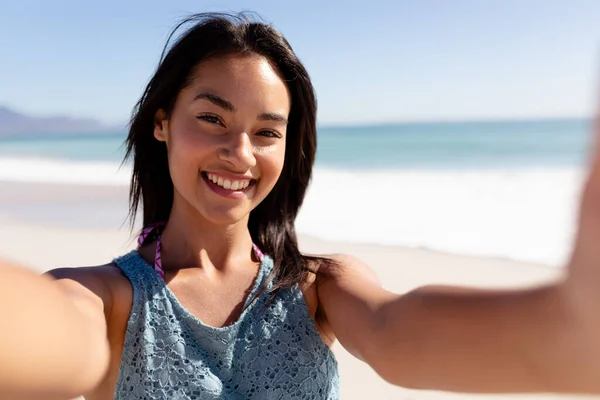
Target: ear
(161, 126)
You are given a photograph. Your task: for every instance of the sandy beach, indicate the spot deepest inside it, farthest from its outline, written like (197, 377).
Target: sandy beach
(45, 226)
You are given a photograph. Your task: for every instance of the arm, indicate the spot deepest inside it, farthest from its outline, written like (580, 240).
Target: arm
(53, 342)
(460, 339)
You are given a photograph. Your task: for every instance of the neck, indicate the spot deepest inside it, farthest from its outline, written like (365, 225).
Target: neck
(190, 240)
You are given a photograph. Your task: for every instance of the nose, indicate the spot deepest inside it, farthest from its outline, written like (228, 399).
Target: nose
(239, 152)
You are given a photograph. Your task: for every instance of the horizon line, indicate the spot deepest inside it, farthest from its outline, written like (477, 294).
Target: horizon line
(340, 124)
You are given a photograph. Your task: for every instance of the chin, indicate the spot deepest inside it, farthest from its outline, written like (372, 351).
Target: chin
(225, 217)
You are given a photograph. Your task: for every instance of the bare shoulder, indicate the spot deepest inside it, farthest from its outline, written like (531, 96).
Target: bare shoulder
(107, 282)
(105, 272)
(341, 267)
(347, 286)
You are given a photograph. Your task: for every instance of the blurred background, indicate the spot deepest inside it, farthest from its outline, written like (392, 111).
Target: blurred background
(453, 135)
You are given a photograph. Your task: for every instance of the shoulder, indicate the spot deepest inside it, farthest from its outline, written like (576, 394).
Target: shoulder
(340, 267)
(107, 275)
(342, 277)
(105, 271)
(106, 282)
(345, 285)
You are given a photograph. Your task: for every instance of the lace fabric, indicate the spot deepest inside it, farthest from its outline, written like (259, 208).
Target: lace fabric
(273, 350)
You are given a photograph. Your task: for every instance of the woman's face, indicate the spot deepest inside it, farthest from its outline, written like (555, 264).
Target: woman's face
(226, 137)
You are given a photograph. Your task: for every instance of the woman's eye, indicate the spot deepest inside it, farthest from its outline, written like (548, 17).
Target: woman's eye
(211, 119)
(270, 134)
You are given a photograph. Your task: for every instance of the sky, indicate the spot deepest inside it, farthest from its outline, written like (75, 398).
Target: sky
(371, 61)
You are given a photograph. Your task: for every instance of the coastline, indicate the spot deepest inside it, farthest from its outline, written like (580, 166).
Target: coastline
(34, 233)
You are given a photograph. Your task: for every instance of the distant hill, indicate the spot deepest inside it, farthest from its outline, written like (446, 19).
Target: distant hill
(13, 123)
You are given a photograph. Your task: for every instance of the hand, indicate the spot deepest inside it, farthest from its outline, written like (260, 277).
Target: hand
(583, 282)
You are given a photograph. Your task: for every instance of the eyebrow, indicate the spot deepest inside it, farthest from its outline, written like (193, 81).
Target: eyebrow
(272, 117)
(226, 105)
(216, 100)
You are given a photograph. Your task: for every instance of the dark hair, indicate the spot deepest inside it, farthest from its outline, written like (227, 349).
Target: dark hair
(271, 223)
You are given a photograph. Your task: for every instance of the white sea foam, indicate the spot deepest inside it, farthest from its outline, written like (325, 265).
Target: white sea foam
(522, 214)
(41, 170)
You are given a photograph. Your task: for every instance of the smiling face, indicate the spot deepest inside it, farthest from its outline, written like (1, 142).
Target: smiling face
(226, 137)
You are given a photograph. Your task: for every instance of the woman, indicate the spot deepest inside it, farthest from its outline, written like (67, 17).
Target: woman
(218, 302)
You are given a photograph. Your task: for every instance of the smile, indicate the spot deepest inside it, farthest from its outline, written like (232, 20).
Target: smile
(226, 186)
(229, 184)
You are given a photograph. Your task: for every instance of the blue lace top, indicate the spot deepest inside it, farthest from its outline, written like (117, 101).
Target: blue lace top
(272, 351)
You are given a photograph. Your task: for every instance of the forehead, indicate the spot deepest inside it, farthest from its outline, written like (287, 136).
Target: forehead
(248, 79)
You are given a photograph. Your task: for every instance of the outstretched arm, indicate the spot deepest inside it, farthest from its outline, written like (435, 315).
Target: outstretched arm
(53, 338)
(542, 339)
(460, 339)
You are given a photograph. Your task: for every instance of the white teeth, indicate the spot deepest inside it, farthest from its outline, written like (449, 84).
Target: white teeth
(228, 184)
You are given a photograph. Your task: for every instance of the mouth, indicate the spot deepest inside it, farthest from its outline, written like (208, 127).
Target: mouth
(227, 186)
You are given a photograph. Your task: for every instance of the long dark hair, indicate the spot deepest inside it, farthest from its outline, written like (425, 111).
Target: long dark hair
(271, 223)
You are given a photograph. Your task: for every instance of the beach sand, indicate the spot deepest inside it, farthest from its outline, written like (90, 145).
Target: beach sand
(45, 226)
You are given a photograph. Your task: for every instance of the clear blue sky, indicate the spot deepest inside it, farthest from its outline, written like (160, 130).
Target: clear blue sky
(371, 61)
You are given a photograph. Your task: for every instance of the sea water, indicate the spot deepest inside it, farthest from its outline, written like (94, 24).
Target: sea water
(505, 189)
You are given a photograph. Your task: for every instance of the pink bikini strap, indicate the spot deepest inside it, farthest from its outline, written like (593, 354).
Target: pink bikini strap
(258, 252)
(147, 231)
(157, 258)
(142, 238)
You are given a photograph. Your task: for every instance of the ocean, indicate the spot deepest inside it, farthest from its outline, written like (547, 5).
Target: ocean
(505, 189)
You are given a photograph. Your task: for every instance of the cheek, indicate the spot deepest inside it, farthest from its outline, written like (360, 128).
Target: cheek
(186, 149)
(273, 165)
(185, 136)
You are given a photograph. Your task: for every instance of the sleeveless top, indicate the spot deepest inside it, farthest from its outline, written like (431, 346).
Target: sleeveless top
(273, 350)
